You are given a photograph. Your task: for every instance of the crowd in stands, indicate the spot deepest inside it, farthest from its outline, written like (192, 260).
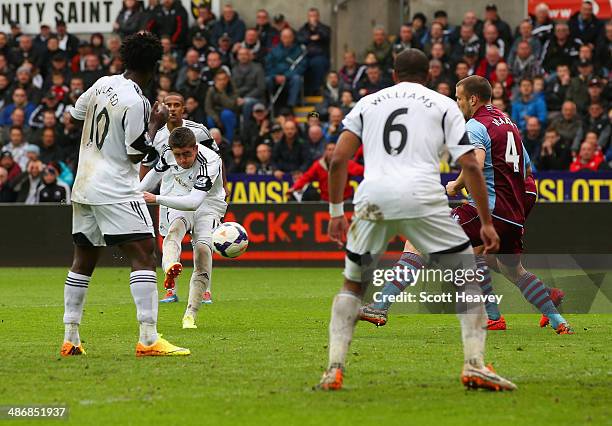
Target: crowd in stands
(551, 77)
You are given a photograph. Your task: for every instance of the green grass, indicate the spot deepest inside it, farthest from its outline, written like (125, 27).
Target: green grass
(262, 345)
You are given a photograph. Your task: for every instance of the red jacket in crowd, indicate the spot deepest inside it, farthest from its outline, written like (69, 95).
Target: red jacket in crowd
(319, 172)
(593, 165)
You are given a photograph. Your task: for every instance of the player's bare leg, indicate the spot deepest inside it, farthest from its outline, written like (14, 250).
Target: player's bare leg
(171, 256)
(143, 285)
(344, 315)
(536, 293)
(75, 291)
(473, 319)
(200, 280)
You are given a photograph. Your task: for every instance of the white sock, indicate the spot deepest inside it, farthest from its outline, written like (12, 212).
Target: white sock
(143, 285)
(473, 318)
(345, 310)
(75, 290)
(171, 250)
(201, 277)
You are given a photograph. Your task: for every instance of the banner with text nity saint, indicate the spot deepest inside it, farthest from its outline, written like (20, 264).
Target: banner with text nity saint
(552, 187)
(81, 16)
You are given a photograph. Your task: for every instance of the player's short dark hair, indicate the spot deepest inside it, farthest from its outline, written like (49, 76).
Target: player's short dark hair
(140, 52)
(411, 65)
(181, 137)
(475, 85)
(177, 94)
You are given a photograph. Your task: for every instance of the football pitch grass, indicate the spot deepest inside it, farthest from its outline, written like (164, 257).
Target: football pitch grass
(261, 347)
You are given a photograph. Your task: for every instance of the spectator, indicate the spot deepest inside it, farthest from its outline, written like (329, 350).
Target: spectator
(381, 48)
(331, 94)
(4, 90)
(237, 163)
(578, 90)
(28, 183)
(436, 35)
(256, 130)
(32, 153)
(333, 128)
(254, 45)
(17, 146)
(24, 81)
(526, 35)
(268, 35)
(351, 72)
(51, 189)
(568, 125)
(316, 37)
(444, 89)
(130, 19)
(251, 168)
(532, 138)
(8, 163)
(201, 45)
(5, 48)
(264, 160)
(93, 70)
(319, 172)
(7, 195)
(556, 89)
(69, 140)
(419, 26)
(193, 85)
(249, 81)
(224, 47)
(584, 26)
(372, 84)
(192, 57)
(49, 103)
(346, 101)
(588, 158)
(596, 93)
(527, 105)
(555, 153)
(285, 66)
(213, 65)
(315, 144)
(491, 38)
(204, 22)
(20, 100)
(25, 52)
(603, 49)
(542, 24)
(462, 70)
(487, 65)
(18, 117)
(50, 152)
(560, 49)
(441, 17)
(69, 43)
(406, 40)
(58, 86)
(223, 144)
(597, 122)
(40, 40)
(585, 54)
(467, 39)
(230, 24)
(435, 73)
(49, 120)
(221, 105)
(523, 63)
(503, 76)
(503, 29)
(59, 64)
(288, 153)
(438, 52)
(471, 59)
(193, 111)
(170, 19)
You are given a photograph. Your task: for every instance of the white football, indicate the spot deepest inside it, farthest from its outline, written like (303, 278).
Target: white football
(230, 239)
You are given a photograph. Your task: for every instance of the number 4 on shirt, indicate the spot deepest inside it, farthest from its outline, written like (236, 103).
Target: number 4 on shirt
(512, 155)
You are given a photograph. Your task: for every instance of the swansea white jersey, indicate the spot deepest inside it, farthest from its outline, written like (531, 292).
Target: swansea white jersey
(205, 175)
(403, 130)
(115, 115)
(160, 143)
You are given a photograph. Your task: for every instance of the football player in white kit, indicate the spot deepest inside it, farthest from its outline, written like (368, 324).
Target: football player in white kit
(108, 209)
(403, 129)
(172, 230)
(196, 204)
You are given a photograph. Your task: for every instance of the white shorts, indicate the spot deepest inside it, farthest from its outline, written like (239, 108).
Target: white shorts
(432, 234)
(110, 224)
(199, 224)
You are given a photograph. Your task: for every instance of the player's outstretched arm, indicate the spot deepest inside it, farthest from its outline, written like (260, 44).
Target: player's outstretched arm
(475, 183)
(347, 146)
(189, 202)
